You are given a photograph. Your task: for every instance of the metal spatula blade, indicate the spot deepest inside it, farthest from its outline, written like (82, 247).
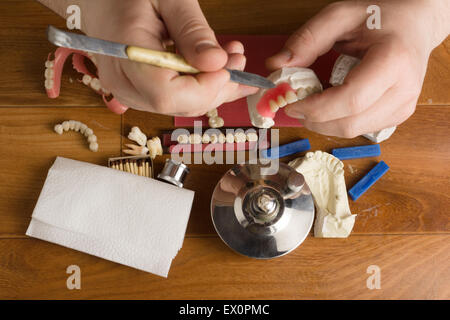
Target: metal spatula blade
(161, 59)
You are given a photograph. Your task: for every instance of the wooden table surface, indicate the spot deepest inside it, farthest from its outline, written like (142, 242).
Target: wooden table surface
(402, 224)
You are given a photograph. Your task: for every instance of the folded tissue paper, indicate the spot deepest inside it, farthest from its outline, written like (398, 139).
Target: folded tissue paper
(115, 215)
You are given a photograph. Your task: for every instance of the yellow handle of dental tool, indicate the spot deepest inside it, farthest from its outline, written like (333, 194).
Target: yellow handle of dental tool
(160, 59)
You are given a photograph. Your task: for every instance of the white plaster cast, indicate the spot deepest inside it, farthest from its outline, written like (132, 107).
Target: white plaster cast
(138, 136)
(324, 175)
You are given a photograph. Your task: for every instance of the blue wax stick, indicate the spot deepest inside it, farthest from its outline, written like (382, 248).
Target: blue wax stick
(372, 150)
(286, 149)
(368, 180)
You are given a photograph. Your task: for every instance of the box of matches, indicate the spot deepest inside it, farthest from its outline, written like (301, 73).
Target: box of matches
(140, 165)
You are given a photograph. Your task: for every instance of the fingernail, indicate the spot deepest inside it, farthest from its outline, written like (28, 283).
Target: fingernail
(205, 45)
(284, 55)
(294, 113)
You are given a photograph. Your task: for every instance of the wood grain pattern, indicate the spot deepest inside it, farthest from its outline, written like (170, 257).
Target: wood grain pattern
(412, 267)
(22, 32)
(29, 146)
(411, 198)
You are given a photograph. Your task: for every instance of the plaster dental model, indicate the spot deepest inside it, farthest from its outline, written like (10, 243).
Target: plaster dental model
(135, 150)
(154, 147)
(53, 72)
(137, 136)
(324, 175)
(214, 120)
(292, 84)
(341, 68)
(79, 127)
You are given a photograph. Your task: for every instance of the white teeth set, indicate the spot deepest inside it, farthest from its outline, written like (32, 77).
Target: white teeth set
(214, 120)
(237, 137)
(291, 97)
(94, 83)
(49, 74)
(154, 146)
(79, 127)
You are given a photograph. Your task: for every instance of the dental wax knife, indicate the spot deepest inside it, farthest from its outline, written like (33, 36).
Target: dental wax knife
(156, 58)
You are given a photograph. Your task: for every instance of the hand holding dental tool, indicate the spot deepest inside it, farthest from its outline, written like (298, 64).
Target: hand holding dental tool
(161, 59)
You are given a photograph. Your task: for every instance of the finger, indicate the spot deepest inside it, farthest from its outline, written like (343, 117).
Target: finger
(193, 37)
(363, 86)
(234, 47)
(318, 35)
(392, 109)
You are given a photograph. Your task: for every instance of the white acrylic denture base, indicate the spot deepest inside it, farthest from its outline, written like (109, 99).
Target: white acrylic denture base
(298, 78)
(324, 175)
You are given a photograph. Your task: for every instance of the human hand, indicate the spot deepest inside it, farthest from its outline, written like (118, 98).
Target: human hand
(380, 92)
(152, 24)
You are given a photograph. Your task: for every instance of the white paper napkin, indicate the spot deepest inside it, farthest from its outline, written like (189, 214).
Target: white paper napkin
(115, 215)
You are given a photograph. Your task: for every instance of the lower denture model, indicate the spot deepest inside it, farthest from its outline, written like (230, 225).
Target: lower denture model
(292, 84)
(324, 175)
(53, 72)
(341, 68)
(79, 127)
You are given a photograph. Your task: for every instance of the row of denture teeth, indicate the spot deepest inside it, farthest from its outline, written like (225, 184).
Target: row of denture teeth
(49, 73)
(238, 137)
(79, 127)
(291, 97)
(94, 83)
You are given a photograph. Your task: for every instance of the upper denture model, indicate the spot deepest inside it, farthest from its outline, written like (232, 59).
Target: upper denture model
(53, 72)
(292, 84)
(324, 175)
(341, 68)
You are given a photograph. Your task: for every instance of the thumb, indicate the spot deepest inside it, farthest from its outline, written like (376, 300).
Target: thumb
(192, 35)
(319, 34)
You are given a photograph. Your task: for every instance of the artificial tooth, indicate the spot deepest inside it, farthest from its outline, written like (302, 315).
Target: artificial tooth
(195, 138)
(48, 83)
(106, 92)
(240, 137)
(49, 64)
(93, 146)
(309, 90)
(95, 84)
(212, 113)
(291, 97)
(59, 129)
(83, 127)
(86, 79)
(252, 136)
(88, 132)
(206, 138)
(214, 138)
(183, 138)
(77, 126)
(281, 102)
(65, 125)
(92, 138)
(49, 73)
(229, 138)
(216, 122)
(301, 94)
(221, 138)
(273, 106)
(71, 124)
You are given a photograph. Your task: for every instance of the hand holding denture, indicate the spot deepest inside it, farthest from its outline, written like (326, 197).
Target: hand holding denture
(382, 90)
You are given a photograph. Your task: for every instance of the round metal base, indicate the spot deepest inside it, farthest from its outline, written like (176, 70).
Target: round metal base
(260, 213)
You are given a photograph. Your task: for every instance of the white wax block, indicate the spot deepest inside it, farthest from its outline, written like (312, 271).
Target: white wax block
(126, 212)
